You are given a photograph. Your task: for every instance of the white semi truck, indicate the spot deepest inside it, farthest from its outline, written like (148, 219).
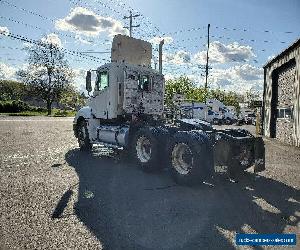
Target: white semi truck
(126, 111)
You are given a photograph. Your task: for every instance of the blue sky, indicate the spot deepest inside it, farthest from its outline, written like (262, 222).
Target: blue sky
(244, 34)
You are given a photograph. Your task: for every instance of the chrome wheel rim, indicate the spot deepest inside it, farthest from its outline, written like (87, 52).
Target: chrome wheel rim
(143, 149)
(182, 158)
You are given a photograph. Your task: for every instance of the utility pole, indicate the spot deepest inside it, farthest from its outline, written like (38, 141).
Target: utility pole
(130, 17)
(160, 56)
(206, 68)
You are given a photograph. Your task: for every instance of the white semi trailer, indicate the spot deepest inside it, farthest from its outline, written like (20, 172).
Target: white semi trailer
(126, 111)
(201, 111)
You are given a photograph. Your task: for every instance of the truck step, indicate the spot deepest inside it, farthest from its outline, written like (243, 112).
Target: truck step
(109, 145)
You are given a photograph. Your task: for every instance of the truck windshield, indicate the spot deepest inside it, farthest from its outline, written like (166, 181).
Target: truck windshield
(102, 80)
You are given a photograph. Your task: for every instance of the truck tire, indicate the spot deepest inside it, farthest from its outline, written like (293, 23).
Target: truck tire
(83, 136)
(239, 163)
(191, 157)
(228, 121)
(216, 121)
(145, 149)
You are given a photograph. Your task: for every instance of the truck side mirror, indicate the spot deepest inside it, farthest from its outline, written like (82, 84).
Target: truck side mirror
(88, 81)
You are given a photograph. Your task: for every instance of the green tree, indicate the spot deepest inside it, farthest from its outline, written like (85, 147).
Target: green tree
(251, 96)
(48, 75)
(198, 94)
(182, 85)
(11, 90)
(72, 98)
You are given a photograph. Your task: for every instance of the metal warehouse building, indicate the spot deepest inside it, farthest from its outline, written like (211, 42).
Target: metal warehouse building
(281, 101)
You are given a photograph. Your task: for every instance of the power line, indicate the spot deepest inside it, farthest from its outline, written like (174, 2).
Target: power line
(71, 52)
(171, 47)
(42, 29)
(143, 19)
(98, 11)
(28, 11)
(12, 48)
(247, 30)
(34, 26)
(183, 30)
(75, 3)
(224, 29)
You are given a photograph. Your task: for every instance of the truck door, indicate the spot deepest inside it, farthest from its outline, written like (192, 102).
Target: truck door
(100, 101)
(131, 97)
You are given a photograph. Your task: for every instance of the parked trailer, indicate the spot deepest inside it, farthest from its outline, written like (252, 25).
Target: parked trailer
(200, 111)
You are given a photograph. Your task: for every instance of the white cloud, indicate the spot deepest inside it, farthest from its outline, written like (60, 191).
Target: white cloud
(156, 40)
(222, 53)
(248, 72)
(169, 76)
(7, 71)
(218, 53)
(240, 78)
(180, 57)
(52, 39)
(80, 39)
(85, 22)
(4, 30)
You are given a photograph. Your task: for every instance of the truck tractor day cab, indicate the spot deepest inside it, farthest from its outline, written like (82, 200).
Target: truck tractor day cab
(126, 111)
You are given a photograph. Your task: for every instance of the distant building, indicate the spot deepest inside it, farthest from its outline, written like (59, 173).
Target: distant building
(281, 101)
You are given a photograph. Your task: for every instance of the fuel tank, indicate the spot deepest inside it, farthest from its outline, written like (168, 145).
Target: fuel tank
(116, 135)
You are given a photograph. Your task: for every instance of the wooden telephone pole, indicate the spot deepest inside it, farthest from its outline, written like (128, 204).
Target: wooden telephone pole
(206, 68)
(130, 17)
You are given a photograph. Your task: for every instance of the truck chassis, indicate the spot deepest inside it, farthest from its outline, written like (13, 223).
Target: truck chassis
(192, 148)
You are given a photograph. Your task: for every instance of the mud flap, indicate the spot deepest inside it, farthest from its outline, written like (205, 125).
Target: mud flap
(259, 155)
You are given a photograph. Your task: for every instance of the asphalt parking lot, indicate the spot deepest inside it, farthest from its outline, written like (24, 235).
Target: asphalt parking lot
(55, 197)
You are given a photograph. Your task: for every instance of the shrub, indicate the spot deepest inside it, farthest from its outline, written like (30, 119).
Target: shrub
(37, 109)
(13, 106)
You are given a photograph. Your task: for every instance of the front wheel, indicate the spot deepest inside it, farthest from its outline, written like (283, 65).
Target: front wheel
(83, 136)
(240, 161)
